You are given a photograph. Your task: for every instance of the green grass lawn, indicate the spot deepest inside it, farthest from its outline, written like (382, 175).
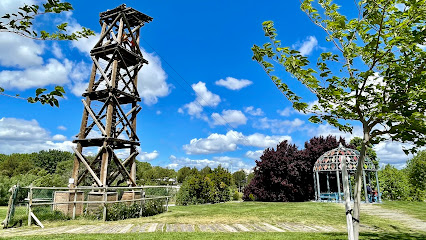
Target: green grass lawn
(415, 209)
(329, 214)
(234, 236)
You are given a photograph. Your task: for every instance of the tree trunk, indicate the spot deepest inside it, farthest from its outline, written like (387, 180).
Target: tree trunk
(358, 184)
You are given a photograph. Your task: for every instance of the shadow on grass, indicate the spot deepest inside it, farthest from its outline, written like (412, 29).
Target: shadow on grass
(392, 236)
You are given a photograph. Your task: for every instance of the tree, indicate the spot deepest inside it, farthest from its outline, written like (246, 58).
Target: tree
(394, 183)
(240, 178)
(49, 159)
(371, 154)
(21, 22)
(375, 77)
(416, 171)
(276, 175)
(182, 174)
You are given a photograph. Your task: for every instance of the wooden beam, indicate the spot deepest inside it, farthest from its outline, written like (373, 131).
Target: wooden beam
(114, 175)
(101, 71)
(82, 159)
(125, 118)
(96, 160)
(120, 164)
(89, 110)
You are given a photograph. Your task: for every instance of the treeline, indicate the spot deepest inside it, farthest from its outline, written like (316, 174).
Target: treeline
(54, 168)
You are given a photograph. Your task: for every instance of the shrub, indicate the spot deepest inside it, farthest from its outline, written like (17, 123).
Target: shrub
(211, 188)
(236, 196)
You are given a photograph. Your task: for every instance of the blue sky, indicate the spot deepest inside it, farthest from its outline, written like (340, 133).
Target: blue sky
(200, 73)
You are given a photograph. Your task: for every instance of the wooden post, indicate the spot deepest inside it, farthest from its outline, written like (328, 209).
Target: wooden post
(142, 202)
(365, 187)
(167, 204)
(74, 204)
(347, 200)
(30, 202)
(378, 188)
(338, 184)
(104, 215)
(84, 119)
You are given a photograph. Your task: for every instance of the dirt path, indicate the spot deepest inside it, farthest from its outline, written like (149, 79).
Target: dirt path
(407, 220)
(161, 227)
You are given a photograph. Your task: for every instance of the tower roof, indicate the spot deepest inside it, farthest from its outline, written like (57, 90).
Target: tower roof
(134, 17)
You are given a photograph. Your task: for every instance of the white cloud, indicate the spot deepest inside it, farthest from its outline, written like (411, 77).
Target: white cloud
(279, 126)
(54, 72)
(233, 83)
(63, 128)
(79, 76)
(56, 50)
(391, 152)
(59, 137)
(285, 112)
(218, 143)
(146, 156)
(204, 98)
(250, 110)
(306, 47)
(152, 80)
(255, 155)
(230, 163)
(158, 112)
(18, 135)
(231, 117)
(84, 45)
(17, 51)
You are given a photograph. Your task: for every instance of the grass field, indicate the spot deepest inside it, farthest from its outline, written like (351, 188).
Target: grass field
(329, 214)
(415, 209)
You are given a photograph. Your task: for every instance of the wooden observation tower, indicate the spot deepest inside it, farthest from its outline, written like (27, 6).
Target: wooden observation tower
(111, 103)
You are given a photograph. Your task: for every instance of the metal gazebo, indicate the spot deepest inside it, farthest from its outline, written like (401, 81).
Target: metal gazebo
(330, 165)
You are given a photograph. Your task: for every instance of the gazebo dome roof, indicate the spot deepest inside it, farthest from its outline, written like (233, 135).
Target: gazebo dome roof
(331, 161)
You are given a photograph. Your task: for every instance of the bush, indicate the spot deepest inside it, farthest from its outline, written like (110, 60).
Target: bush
(121, 211)
(45, 213)
(211, 188)
(236, 196)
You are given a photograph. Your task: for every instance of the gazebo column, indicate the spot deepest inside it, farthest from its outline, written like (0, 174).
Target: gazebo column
(328, 184)
(318, 186)
(378, 188)
(365, 187)
(338, 185)
(315, 187)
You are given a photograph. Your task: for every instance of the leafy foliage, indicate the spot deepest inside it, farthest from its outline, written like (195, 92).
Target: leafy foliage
(416, 169)
(208, 187)
(147, 174)
(49, 160)
(394, 183)
(21, 22)
(356, 143)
